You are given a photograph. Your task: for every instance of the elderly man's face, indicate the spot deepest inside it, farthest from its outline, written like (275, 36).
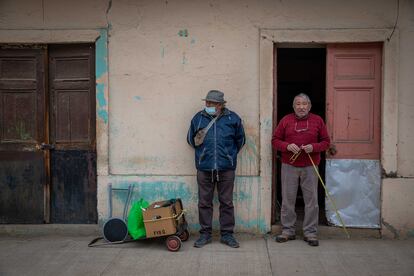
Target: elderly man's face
(219, 106)
(301, 107)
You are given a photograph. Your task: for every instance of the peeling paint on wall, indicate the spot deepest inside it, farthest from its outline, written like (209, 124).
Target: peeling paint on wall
(158, 190)
(268, 123)
(151, 191)
(246, 199)
(102, 54)
(251, 148)
(249, 224)
(100, 97)
(248, 161)
(102, 75)
(248, 204)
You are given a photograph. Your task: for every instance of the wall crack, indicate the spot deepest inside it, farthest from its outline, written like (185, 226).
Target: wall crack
(108, 9)
(391, 229)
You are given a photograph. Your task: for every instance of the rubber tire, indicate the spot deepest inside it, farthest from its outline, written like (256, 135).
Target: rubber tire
(115, 230)
(173, 243)
(184, 236)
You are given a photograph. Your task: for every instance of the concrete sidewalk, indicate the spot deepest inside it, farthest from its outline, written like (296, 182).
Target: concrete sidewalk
(55, 254)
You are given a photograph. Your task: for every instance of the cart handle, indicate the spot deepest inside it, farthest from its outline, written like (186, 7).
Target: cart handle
(176, 217)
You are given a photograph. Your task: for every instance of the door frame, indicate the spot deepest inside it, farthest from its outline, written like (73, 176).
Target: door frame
(389, 96)
(275, 118)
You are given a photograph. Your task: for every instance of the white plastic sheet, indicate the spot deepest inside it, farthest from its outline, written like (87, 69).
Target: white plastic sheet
(355, 186)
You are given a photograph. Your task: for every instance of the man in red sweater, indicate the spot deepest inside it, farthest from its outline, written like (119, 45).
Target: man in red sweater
(297, 135)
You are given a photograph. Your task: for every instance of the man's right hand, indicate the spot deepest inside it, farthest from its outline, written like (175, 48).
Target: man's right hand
(293, 148)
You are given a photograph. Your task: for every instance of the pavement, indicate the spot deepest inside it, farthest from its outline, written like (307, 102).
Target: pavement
(63, 250)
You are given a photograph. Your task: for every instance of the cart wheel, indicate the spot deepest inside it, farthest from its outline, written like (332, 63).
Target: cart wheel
(173, 243)
(185, 235)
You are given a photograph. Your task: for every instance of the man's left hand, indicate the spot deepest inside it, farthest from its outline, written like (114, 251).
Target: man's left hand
(307, 148)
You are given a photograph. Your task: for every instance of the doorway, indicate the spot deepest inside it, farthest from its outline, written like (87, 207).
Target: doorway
(47, 134)
(299, 69)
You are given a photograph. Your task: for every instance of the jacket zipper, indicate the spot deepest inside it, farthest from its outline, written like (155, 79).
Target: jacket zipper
(215, 144)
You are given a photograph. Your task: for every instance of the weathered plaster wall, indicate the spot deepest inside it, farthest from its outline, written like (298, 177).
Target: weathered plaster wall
(175, 53)
(247, 204)
(165, 55)
(52, 14)
(157, 59)
(406, 91)
(397, 214)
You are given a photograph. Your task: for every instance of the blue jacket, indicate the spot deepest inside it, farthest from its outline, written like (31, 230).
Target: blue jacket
(223, 141)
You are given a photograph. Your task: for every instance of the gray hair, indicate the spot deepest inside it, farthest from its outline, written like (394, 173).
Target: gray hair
(302, 95)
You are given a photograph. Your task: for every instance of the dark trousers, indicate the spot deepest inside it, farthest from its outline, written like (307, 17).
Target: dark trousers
(207, 180)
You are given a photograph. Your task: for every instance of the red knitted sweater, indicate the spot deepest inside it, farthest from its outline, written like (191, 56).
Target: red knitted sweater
(308, 130)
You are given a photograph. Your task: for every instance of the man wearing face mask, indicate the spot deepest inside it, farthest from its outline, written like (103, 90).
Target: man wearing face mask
(217, 135)
(297, 135)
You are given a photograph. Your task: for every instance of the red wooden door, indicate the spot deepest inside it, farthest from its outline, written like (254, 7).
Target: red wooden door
(353, 95)
(22, 130)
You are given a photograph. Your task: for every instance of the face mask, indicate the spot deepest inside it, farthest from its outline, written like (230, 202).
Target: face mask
(210, 110)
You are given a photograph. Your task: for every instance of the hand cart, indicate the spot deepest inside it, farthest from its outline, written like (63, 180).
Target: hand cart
(167, 219)
(163, 219)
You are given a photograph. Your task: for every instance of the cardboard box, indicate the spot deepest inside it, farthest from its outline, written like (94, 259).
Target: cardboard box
(161, 221)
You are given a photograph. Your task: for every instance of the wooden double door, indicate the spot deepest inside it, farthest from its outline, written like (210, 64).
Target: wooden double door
(47, 134)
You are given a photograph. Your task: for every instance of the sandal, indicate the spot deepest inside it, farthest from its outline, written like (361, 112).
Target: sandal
(312, 241)
(285, 238)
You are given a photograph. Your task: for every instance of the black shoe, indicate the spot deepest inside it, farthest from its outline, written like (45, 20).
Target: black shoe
(312, 241)
(228, 239)
(202, 240)
(285, 238)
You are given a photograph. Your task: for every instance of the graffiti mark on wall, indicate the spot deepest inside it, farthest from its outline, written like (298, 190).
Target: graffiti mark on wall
(183, 33)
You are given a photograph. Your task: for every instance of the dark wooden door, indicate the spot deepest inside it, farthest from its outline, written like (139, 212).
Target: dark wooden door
(23, 180)
(47, 134)
(72, 133)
